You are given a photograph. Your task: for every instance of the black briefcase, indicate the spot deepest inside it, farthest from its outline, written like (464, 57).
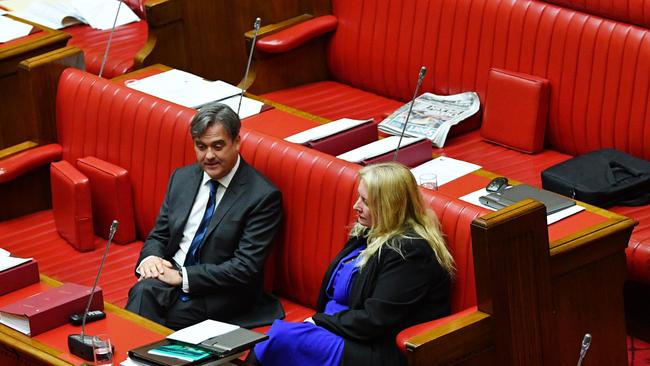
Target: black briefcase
(603, 178)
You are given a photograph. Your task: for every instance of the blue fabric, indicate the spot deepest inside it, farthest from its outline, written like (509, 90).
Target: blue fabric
(306, 344)
(192, 256)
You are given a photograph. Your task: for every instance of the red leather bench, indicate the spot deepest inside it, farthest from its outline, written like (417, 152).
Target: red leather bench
(370, 52)
(149, 138)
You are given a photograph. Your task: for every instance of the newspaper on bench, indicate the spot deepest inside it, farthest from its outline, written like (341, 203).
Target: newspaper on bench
(432, 116)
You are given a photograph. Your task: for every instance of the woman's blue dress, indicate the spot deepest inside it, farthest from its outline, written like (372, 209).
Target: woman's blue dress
(305, 343)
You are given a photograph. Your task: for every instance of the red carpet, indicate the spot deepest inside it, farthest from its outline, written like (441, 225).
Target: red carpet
(638, 352)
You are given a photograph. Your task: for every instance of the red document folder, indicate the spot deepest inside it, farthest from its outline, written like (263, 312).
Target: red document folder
(346, 140)
(411, 155)
(49, 309)
(18, 277)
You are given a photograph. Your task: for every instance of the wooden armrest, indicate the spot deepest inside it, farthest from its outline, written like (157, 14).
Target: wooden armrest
(467, 334)
(267, 30)
(22, 162)
(161, 12)
(297, 35)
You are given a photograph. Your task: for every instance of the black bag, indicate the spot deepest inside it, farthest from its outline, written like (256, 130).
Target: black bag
(603, 178)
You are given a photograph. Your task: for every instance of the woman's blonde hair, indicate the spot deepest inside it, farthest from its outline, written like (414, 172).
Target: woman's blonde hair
(397, 207)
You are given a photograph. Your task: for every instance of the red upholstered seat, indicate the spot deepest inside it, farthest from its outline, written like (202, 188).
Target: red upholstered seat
(127, 41)
(600, 87)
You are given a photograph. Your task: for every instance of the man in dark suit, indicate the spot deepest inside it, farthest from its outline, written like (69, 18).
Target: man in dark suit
(204, 257)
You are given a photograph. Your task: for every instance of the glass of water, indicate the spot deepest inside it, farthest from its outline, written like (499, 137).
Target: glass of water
(102, 350)
(429, 180)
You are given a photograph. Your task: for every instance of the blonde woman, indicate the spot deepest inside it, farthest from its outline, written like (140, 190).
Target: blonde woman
(394, 272)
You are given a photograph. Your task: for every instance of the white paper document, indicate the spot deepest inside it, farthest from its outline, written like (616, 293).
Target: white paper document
(377, 148)
(446, 169)
(473, 198)
(249, 107)
(58, 14)
(202, 331)
(7, 261)
(325, 130)
(184, 88)
(12, 29)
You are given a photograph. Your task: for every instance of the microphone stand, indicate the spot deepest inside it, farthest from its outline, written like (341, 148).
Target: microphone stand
(423, 71)
(257, 24)
(586, 342)
(79, 344)
(110, 39)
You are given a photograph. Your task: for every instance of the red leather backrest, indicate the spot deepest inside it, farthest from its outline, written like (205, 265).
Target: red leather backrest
(600, 84)
(140, 133)
(318, 193)
(629, 11)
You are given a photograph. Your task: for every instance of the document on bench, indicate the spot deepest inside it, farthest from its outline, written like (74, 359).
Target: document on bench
(7, 261)
(325, 130)
(446, 169)
(184, 88)
(249, 107)
(12, 29)
(473, 198)
(377, 148)
(202, 331)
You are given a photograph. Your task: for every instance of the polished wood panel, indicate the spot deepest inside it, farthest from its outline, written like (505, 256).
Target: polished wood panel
(15, 124)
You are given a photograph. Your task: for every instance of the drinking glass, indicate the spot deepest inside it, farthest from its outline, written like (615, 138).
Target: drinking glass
(102, 351)
(429, 180)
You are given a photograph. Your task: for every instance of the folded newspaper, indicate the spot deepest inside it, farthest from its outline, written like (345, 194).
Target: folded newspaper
(432, 116)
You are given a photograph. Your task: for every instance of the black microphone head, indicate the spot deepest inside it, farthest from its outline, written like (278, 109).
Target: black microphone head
(114, 226)
(586, 341)
(423, 71)
(258, 22)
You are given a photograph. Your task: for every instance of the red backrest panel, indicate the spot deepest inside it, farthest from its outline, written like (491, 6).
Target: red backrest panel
(143, 134)
(318, 194)
(629, 11)
(600, 85)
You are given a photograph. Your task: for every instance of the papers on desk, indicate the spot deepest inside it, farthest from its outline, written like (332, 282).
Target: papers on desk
(249, 107)
(446, 169)
(7, 261)
(58, 14)
(325, 130)
(377, 148)
(183, 88)
(12, 29)
(473, 198)
(202, 331)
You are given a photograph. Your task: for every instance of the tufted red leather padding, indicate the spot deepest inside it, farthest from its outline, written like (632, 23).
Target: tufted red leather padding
(16, 165)
(334, 100)
(595, 65)
(127, 41)
(516, 110)
(629, 11)
(127, 128)
(110, 187)
(71, 205)
(296, 36)
(325, 189)
(638, 248)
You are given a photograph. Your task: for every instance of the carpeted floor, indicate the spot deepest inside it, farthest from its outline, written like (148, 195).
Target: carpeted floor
(638, 352)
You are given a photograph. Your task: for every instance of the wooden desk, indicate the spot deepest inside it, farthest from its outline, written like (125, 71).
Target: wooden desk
(127, 331)
(15, 127)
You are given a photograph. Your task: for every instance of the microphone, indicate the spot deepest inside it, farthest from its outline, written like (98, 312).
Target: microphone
(257, 24)
(586, 342)
(423, 71)
(78, 344)
(110, 39)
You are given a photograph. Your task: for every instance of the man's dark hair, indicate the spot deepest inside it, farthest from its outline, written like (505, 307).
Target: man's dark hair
(211, 114)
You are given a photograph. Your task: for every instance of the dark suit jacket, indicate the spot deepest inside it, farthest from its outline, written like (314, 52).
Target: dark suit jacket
(390, 293)
(237, 243)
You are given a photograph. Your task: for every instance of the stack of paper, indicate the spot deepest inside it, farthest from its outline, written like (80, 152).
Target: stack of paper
(446, 169)
(377, 148)
(193, 91)
(325, 130)
(7, 261)
(12, 29)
